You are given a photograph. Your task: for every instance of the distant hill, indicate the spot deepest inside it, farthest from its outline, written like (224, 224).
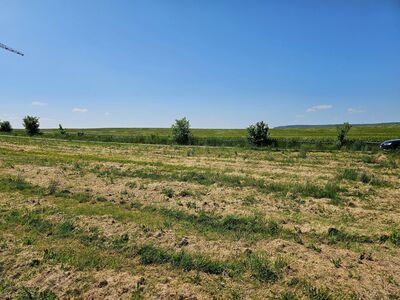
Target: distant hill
(333, 125)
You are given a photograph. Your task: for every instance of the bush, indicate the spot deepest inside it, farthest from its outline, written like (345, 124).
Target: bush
(61, 129)
(181, 133)
(258, 134)
(342, 132)
(31, 125)
(5, 126)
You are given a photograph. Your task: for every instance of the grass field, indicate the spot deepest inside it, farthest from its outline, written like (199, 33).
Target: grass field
(374, 133)
(120, 221)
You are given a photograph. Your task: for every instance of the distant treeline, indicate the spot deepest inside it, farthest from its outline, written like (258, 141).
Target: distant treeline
(280, 143)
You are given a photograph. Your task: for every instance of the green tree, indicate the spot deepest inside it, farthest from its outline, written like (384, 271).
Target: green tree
(61, 129)
(181, 133)
(258, 134)
(31, 125)
(5, 126)
(342, 131)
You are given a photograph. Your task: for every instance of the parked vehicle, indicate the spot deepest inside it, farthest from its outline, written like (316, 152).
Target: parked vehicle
(390, 145)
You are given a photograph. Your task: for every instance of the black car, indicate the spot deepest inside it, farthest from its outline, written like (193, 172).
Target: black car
(391, 144)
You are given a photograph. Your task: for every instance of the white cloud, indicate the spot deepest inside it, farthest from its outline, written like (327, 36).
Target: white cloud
(319, 107)
(38, 103)
(10, 117)
(80, 110)
(355, 110)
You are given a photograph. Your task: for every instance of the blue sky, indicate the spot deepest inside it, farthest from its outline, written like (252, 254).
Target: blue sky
(222, 64)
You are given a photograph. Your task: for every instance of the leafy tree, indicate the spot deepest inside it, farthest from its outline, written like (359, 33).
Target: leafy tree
(5, 126)
(61, 129)
(181, 133)
(258, 134)
(342, 132)
(31, 125)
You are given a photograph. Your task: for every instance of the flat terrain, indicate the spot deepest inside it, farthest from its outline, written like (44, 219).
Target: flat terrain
(366, 133)
(89, 220)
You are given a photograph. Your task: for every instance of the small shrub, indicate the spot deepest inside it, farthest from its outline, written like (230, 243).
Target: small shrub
(181, 133)
(342, 132)
(61, 130)
(303, 152)
(258, 134)
(5, 126)
(31, 125)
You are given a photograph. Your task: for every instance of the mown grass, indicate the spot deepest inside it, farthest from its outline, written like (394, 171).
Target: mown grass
(50, 231)
(205, 177)
(91, 251)
(249, 227)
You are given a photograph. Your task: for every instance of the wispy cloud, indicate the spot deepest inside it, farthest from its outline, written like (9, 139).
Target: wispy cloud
(319, 107)
(80, 110)
(355, 110)
(10, 117)
(38, 103)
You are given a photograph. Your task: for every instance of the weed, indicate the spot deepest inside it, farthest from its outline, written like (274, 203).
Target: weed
(361, 176)
(240, 225)
(315, 293)
(261, 268)
(394, 236)
(65, 228)
(53, 186)
(137, 292)
(303, 152)
(335, 235)
(315, 248)
(337, 262)
(136, 204)
(191, 205)
(168, 192)
(120, 242)
(288, 296)
(131, 184)
(249, 200)
(150, 254)
(35, 294)
(185, 193)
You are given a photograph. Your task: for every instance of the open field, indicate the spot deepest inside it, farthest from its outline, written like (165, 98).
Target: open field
(129, 221)
(376, 133)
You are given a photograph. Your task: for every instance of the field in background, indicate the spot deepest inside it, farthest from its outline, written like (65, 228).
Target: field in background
(129, 221)
(376, 133)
